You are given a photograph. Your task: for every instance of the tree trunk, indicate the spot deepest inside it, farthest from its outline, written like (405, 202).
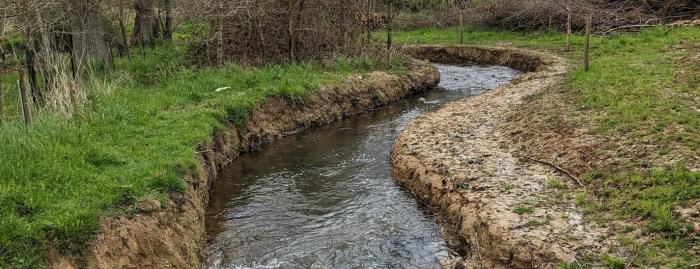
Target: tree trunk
(220, 37)
(145, 24)
(290, 29)
(298, 43)
(88, 33)
(368, 21)
(122, 29)
(168, 31)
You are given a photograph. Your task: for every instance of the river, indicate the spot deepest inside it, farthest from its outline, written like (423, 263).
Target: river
(324, 198)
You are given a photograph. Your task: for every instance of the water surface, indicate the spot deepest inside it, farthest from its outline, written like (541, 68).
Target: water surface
(325, 198)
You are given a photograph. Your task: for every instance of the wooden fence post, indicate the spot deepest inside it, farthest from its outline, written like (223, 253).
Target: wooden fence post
(368, 21)
(461, 27)
(587, 45)
(31, 71)
(568, 28)
(389, 36)
(24, 100)
(2, 102)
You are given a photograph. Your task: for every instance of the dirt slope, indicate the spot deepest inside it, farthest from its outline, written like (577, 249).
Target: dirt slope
(507, 211)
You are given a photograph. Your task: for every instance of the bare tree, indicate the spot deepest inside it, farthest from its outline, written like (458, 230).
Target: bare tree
(274, 30)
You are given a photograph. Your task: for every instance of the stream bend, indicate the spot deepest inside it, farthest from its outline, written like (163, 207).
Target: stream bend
(325, 198)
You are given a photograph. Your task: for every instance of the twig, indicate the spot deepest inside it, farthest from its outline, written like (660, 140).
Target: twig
(478, 250)
(558, 168)
(646, 24)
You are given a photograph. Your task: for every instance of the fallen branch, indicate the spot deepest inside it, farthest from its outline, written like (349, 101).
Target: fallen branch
(558, 168)
(646, 24)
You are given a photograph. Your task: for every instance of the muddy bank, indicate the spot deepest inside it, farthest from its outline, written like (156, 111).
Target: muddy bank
(175, 237)
(506, 211)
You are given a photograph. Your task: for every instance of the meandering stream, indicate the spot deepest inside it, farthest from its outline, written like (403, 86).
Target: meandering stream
(325, 198)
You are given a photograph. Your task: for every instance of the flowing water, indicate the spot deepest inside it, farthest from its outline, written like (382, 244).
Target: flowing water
(325, 198)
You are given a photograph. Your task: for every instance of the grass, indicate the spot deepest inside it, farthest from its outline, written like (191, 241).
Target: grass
(523, 209)
(634, 80)
(648, 199)
(644, 88)
(556, 184)
(134, 140)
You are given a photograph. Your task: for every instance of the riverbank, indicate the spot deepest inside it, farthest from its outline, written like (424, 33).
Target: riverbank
(175, 236)
(121, 176)
(501, 208)
(624, 129)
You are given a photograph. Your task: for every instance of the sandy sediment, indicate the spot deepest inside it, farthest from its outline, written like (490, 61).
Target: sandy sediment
(505, 211)
(174, 235)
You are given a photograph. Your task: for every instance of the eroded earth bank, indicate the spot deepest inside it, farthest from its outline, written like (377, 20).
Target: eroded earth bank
(506, 210)
(175, 236)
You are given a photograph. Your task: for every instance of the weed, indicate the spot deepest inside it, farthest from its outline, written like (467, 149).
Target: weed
(524, 209)
(556, 183)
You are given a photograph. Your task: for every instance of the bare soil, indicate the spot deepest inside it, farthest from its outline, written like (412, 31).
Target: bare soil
(508, 211)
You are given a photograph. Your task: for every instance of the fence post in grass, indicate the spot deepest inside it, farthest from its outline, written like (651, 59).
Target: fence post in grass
(111, 57)
(389, 35)
(461, 27)
(587, 45)
(30, 59)
(25, 108)
(368, 21)
(2, 102)
(568, 28)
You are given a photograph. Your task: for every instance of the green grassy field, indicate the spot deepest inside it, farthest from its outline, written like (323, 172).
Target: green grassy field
(135, 139)
(641, 87)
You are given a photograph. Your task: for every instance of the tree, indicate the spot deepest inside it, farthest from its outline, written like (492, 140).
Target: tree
(87, 30)
(168, 29)
(145, 24)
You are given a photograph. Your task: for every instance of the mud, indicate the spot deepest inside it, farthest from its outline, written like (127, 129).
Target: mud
(506, 211)
(175, 237)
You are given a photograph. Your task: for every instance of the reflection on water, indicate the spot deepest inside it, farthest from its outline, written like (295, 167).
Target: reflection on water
(325, 198)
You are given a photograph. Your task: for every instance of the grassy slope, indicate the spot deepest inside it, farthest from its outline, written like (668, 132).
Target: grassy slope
(135, 139)
(639, 89)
